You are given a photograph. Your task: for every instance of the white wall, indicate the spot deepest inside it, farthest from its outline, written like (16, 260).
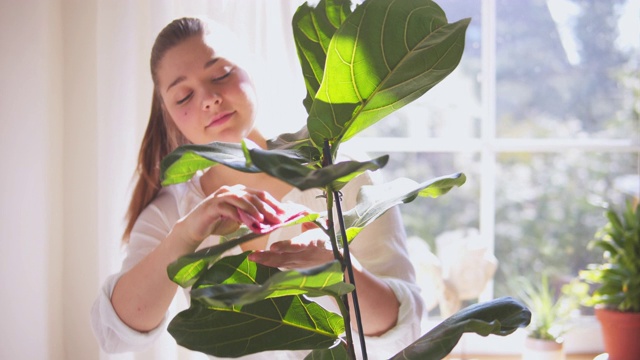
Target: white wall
(74, 100)
(31, 196)
(80, 278)
(49, 183)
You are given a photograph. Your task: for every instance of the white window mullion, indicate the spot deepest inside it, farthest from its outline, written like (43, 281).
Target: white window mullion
(488, 132)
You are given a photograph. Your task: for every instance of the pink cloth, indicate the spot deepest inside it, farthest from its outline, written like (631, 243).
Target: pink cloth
(292, 212)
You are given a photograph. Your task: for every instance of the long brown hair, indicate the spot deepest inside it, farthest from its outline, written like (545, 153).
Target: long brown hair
(161, 136)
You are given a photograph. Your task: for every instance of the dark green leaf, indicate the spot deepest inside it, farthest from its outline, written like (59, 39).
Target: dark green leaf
(298, 141)
(500, 317)
(283, 323)
(604, 245)
(313, 28)
(303, 177)
(320, 281)
(375, 200)
(614, 220)
(279, 323)
(186, 270)
(385, 55)
(181, 164)
(338, 352)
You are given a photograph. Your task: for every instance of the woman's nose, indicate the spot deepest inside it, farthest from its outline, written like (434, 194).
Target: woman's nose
(210, 100)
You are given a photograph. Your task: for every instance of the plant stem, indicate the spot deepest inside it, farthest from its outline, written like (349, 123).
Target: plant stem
(343, 301)
(328, 160)
(330, 232)
(349, 266)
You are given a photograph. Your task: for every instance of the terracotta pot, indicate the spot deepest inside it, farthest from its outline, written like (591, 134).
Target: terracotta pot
(620, 333)
(538, 349)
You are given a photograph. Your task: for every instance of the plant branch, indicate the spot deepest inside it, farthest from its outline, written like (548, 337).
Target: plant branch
(329, 230)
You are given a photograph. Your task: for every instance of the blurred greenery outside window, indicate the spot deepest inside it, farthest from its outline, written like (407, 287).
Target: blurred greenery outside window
(543, 116)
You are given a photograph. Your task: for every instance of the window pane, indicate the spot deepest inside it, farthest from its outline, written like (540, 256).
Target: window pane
(451, 109)
(427, 217)
(549, 206)
(567, 68)
(427, 220)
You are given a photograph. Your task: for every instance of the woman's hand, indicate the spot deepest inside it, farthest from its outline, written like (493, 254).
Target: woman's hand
(218, 213)
(303, 251)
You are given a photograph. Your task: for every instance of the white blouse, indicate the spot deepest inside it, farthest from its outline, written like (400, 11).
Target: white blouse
(380, 248)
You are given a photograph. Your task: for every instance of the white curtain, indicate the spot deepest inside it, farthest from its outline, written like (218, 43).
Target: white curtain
(74, 103)
(125, 33)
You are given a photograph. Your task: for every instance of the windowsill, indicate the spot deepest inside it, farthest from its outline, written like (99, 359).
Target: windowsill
(585, 337)
(517, 357)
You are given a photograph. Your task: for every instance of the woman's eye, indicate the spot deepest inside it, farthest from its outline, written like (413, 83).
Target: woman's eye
(184, 99)
(219, 78)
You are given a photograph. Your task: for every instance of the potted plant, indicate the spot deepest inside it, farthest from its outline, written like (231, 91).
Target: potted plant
(391, 53)
(617, 295)
(550, 316)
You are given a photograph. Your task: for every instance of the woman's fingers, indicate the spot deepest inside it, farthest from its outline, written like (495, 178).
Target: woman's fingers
(290, 254)
(257, 203)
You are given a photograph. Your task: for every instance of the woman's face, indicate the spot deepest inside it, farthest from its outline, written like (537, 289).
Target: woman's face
(208, 97)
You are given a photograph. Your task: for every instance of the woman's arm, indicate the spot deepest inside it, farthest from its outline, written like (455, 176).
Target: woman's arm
(143, 294)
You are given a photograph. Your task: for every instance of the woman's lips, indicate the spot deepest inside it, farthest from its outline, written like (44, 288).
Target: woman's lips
(220, 119)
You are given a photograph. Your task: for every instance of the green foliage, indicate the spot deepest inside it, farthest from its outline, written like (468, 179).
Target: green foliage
(282, 321)
(551, 312)
(313, 29)
(618, 276)
(334, 353)
(188, 268)
(181, 164)
(289, 169)
(407, 48)
(324, 280)
(358, 67)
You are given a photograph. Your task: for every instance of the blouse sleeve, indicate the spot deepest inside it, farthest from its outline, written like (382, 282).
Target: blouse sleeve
(113, 335)
(381, 248)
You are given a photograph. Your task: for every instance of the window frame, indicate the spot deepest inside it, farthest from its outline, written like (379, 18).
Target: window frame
(585, 335)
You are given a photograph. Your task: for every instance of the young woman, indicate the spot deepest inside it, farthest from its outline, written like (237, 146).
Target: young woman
(201, 95)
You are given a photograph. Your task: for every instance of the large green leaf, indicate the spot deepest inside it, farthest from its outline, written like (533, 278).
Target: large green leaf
(313, 28)
(500, 317)
(375, 200)
(181, 164)
(385, 55)
(303, 177)
(323, 280)
(281, 323)
(186, 270)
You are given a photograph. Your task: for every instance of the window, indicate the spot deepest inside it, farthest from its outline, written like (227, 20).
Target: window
(543, 116)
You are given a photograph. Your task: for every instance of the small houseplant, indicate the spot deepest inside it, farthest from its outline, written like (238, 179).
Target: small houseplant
(359, 66)
(551, 313)
(617, 279)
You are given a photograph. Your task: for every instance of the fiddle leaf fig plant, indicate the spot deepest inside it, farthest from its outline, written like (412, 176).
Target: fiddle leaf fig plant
(360, 63)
